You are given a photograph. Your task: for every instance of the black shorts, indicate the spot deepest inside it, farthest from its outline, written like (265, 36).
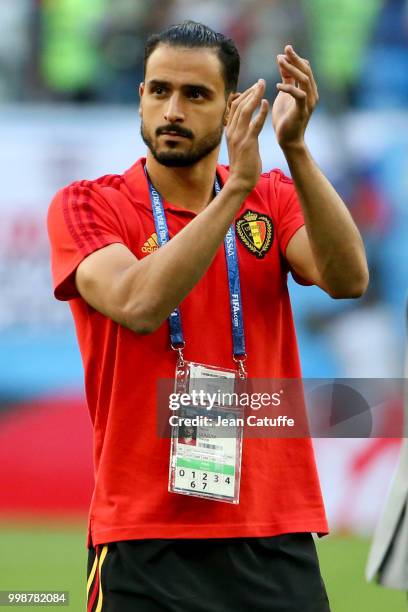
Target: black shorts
(279, 573)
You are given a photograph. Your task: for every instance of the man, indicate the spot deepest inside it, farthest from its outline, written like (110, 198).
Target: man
(151, 549)
(188, 435)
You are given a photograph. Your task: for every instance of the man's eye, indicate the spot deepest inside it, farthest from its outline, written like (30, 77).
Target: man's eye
(159, 90)
(196, 94)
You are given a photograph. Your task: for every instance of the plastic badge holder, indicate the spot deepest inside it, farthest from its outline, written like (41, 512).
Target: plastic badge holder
(206, 442)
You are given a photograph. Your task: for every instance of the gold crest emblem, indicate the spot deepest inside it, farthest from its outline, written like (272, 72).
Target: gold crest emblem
(255, 231)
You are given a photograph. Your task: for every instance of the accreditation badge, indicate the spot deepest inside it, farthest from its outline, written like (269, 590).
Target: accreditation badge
(206, 433)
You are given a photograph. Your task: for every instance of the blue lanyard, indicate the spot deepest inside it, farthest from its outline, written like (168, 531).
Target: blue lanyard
(230, 247)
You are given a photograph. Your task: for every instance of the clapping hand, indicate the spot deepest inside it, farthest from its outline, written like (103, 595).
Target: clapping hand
(243, 129)
(296, 100)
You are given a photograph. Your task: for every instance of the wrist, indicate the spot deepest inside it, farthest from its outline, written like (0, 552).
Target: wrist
(238, 187)
(294, 149)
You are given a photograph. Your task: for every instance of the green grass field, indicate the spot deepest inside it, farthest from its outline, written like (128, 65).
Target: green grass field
(53, 557)
(342, 562)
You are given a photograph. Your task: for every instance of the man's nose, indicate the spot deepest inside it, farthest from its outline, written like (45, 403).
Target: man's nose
(174, 111)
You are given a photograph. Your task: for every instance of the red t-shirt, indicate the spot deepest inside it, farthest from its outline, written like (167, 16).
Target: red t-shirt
(131, 500)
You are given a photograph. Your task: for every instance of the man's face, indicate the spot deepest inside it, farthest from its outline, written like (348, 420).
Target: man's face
(183, 105)
(189, 431)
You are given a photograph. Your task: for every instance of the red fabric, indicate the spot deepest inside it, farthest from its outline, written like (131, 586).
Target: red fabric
(45, 457)
(280, 491)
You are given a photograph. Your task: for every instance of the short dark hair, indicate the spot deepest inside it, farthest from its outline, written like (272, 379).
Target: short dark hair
(191, 34)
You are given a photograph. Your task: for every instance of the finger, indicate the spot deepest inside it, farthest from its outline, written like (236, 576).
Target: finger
(257, 124)
(303, 64)
(286, 77)
(298, 75)
(246, 108)
(297, 93)
(237, 103)
(232, 127)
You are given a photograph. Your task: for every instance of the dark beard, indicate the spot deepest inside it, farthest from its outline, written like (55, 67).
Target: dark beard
(176, 159)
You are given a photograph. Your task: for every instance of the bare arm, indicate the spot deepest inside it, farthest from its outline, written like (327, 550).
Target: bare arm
(140, 294)
(329, 251)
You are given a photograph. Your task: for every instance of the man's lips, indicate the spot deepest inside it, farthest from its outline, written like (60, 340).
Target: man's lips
(173, 135)
(174, 132)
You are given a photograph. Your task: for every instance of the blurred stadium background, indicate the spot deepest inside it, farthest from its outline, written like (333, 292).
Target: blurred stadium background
(69, 73)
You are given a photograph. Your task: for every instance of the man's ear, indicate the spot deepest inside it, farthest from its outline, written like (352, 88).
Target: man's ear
(141, 92)
(231, 98)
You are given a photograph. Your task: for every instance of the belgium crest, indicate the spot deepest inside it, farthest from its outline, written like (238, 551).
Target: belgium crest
(255, 231)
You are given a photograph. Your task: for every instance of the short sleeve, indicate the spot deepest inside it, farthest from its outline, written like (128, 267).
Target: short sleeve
(289, 215)
(80, 221)
(288, 209)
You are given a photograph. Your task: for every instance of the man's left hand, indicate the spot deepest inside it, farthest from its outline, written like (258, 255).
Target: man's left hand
(296, 100)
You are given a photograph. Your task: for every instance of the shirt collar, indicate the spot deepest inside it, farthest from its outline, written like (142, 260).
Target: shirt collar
(136, 180)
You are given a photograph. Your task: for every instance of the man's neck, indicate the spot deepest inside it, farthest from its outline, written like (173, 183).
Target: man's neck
(191, 188)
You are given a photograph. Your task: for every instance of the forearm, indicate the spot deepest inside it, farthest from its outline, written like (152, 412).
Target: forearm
(335, 240)
(157, 284)
(141, 294)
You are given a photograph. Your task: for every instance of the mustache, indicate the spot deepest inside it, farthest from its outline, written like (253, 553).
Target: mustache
(175, 129)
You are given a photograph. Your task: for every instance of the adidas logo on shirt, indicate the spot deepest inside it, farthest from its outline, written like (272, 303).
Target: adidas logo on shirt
(151, 244)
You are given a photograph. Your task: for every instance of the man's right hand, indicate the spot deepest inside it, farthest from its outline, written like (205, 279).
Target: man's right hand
(242, 134)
